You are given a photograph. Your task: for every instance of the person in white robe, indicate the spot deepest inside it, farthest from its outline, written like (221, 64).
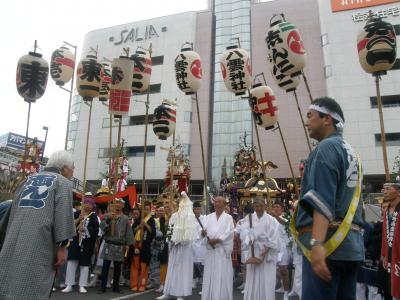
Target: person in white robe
(178, 283)
(263, 235)
(218, 270)
(198, 246)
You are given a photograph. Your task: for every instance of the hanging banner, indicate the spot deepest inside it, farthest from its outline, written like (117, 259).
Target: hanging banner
(340, 5)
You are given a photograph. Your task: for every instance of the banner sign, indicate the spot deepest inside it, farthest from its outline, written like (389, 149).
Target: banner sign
(340, 5)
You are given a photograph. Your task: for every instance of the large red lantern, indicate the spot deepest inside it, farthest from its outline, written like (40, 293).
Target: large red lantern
(376, 45)
(121, 86)
(32, 74)
(236, 70)
(62, 65)
(188, 72)
(88, 78)
(105, 75)
(286, 47)
(264, 106)
(165, 119)
(285, 82)
(141, 74)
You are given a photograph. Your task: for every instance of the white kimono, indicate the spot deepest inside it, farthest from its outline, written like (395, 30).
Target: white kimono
(218, 271)
(261, 278)
(198, 246)
(178, 282)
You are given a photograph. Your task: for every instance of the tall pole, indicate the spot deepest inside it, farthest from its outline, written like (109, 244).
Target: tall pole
(383, 134)
(202, 152)
(110, 156)
(70, 96)
(44, 144)
(307, 86)
(302, 120)
(26, 135)
(146, 123)
(87, 148)
(116, 165)
(172, 167)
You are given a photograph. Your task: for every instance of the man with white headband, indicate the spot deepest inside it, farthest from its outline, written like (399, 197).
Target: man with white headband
(327, 222)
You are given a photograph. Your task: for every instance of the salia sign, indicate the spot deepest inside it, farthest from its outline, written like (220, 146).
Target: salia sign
(135, 34)
(339, 5)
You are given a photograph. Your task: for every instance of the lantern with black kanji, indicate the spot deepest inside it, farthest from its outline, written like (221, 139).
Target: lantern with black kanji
(286, 47)
(32, 74)
(264, 106)
(62, 65)
(121, 86)
(88, 77)
(105, 75)
(188, 72)
(376, 45)
(236, 70)
(141, 71)
(285, 82)
(165, 119)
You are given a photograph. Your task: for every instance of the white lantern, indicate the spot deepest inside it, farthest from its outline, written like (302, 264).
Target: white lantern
(165, 119)
(236, 70)
(62, 65)
(264, 106)
(188, 72)
(285, 82)
(376, 45)
(121, 86)
(141, 75)
(105, 75)
(88, 78)
(32, 74)
(286, 48)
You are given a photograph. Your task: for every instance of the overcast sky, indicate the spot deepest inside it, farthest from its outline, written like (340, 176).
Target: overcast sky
(50, 23)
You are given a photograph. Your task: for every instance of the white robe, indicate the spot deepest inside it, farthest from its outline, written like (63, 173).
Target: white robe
(178, 282)
(198, 246)
(218, 271)
(260, 279)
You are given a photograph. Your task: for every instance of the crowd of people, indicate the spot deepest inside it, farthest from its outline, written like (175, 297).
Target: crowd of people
(172, 247)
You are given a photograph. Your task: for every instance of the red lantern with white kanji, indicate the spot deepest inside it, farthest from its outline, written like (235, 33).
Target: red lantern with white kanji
(236, 70)
(141, 72)
(286, 47)
(62, 65)
(376, 45)
(121, 86)
(105, 75)
(264, 106)
(285, 82)
(188, 72)
(32, 74)
(165, 119)
(88, 77)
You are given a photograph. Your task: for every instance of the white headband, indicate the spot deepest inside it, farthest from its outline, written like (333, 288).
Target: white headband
(334, 115)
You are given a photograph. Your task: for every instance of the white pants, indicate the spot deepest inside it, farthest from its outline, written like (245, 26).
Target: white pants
(72, 266)
(372, 292)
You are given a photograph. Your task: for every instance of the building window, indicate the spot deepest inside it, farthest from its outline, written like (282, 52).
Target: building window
(392, 139)
(157, 60)
(397, 29)
(328, 71)
(106, 122)
(186, 149)
(387, 101)
(188, 116)
(324, 40)
(138, 151)
(154, 88)
(104, 153)
(139, 120)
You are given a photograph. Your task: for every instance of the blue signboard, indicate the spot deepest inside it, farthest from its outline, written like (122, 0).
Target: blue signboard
(17, 142)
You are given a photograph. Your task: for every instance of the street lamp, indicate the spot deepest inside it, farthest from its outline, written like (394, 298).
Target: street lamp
(45, 140)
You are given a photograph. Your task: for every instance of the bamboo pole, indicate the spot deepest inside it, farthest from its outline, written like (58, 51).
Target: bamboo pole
(110, 156)
(87, 148)
(307, 86)
(172, 167)
(302, 120)
(116, 165)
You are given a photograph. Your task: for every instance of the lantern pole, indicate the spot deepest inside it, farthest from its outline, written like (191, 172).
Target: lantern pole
(307, 86)
(172, 167)
(302, 120)
(70, 91)
(87, 148)
(202, 152)
(110, 156)
(382, 125)
(116, 165)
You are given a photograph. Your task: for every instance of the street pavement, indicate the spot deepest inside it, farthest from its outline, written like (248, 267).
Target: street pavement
(127, 294)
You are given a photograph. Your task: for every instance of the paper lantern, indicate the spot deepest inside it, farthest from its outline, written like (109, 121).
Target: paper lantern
(236, 70)
(285, 82)
(165, 119)
(141, 74)
(105, 76)
(32, 74)
(376, 45)
(88, 77)
(62, 65)
(264, 106)
(121, 86)
(188, 72)
(286, 48)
